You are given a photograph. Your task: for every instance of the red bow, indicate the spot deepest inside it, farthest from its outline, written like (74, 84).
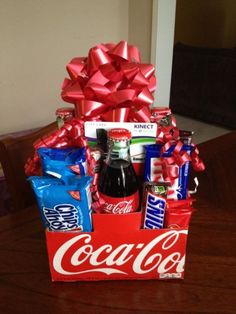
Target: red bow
(110, 81)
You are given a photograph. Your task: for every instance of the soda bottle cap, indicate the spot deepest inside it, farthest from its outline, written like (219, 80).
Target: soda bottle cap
(65, 111)
(119, 134)
(160, 111)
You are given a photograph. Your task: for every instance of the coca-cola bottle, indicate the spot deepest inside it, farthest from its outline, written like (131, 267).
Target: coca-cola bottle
(118, 185)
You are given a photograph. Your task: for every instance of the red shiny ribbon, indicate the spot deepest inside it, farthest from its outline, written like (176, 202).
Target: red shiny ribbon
(170, 165)
(110, 77)
(197, 163)
(71, 134)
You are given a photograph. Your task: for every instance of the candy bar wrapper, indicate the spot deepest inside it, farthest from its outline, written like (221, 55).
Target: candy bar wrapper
(63, 163)
(176, 218)
(64, 207)
(153, 170)
(154, 204)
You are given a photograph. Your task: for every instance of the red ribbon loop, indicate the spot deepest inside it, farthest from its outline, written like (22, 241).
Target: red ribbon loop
(197, 163)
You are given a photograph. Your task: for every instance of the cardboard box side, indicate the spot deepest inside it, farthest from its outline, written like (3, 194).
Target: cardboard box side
(117, 249)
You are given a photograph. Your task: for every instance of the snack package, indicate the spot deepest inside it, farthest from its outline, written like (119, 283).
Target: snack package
(154, 204)
(63, 162)
(64, 207)
(153, 169)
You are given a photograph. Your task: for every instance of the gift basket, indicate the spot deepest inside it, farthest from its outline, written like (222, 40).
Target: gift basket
(112, 181)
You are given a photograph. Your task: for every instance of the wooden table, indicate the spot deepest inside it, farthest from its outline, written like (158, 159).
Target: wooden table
(210, 276)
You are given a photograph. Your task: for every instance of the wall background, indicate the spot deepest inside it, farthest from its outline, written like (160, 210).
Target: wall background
(38, 38)
(140, 26)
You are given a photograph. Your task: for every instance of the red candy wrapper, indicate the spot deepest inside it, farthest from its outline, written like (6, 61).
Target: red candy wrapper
(178, 217)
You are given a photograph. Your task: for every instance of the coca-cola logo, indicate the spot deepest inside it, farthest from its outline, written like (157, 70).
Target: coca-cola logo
(122, 207)
(79, 256)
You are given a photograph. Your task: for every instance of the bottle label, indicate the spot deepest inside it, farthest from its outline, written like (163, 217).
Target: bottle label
(120, 205)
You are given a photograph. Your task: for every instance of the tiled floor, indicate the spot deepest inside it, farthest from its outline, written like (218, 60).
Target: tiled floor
(203, 131)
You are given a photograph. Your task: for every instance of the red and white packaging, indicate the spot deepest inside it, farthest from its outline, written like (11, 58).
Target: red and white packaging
(117, 249)
(120, 205)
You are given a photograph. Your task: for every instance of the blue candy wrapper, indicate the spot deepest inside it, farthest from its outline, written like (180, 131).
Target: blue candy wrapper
(152, 158)
(64, 207)
(63, 162)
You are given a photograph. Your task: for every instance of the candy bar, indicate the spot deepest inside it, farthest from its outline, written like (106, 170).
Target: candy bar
(153, 169)
(154, 205)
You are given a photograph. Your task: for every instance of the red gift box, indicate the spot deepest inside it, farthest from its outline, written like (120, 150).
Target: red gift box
(117, 249)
